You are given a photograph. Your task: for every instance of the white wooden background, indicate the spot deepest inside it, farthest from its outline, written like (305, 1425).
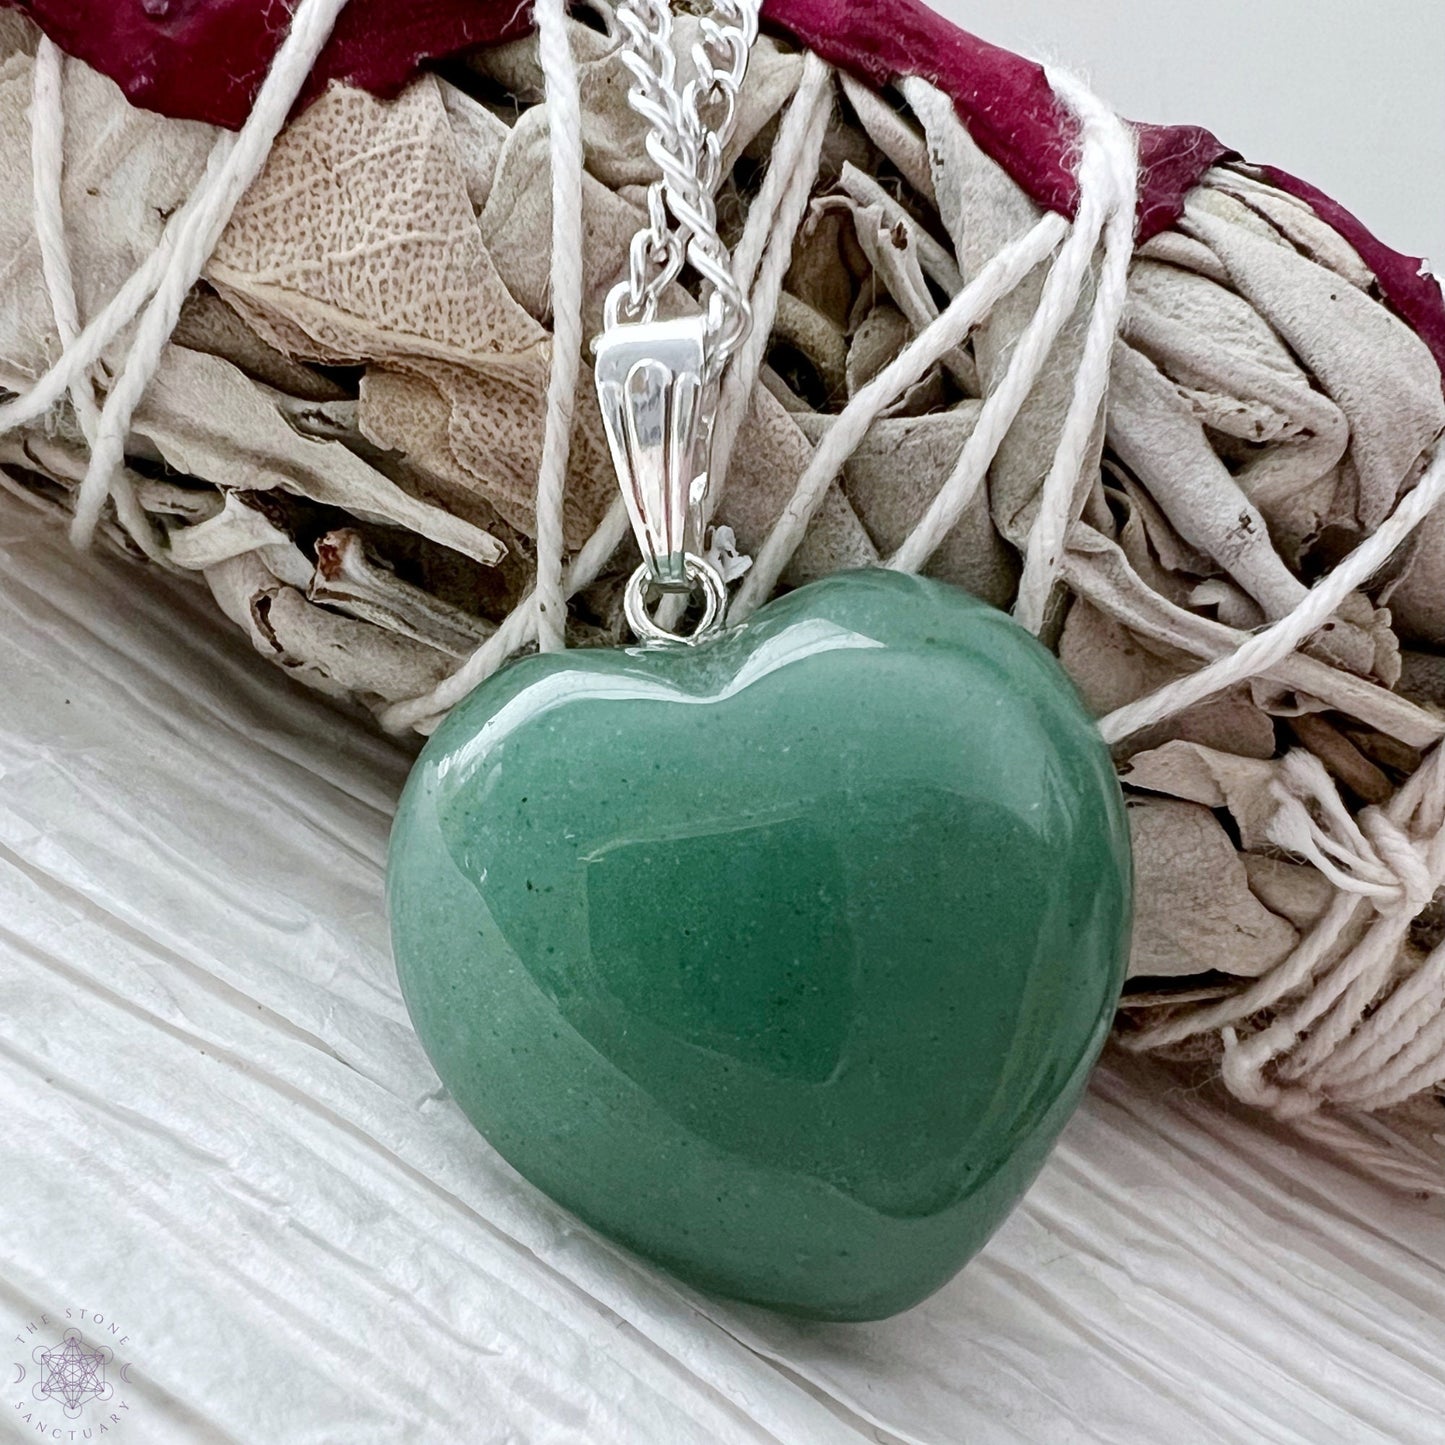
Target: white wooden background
(220, 1132)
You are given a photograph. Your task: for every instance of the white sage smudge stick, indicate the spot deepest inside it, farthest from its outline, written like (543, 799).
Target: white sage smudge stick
(1214, 464)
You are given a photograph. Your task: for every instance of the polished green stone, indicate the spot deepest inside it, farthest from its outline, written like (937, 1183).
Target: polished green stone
(781, 959)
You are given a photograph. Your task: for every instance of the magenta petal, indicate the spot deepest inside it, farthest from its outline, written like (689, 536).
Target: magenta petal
(1005, 100)
(204, 59)
(1405, 281)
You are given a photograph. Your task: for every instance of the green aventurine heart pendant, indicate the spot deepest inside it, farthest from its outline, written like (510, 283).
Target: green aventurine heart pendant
(781, 959)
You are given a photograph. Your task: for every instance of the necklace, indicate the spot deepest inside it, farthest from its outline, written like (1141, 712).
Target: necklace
(657, 380)
(778, 953)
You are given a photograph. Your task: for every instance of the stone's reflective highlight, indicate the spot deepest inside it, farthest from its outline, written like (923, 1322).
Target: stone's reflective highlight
(782, 959)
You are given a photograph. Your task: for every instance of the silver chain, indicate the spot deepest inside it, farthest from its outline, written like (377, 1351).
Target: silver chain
(657, 380)
(688, 129)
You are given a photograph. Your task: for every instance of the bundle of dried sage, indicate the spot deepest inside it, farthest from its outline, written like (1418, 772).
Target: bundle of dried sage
(343, 439)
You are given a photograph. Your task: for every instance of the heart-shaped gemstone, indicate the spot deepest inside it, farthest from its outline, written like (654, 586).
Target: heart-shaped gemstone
(783, 958)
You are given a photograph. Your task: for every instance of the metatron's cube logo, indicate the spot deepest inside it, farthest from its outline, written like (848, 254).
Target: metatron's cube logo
(70, 1376)
(72, 1373)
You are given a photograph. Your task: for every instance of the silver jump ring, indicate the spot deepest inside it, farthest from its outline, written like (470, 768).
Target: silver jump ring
(703, 576)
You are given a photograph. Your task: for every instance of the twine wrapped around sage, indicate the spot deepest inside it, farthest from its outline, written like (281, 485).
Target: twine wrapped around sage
(1204, 469)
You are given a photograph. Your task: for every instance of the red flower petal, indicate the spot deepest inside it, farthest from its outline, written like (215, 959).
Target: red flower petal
(1405, 281)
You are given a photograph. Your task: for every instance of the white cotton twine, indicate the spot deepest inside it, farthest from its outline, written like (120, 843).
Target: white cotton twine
(1349, 1024)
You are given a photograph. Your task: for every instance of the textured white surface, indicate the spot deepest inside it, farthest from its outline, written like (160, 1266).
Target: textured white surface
(221, 1133)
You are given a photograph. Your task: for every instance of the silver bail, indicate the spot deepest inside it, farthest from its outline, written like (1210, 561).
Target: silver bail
(657, 408)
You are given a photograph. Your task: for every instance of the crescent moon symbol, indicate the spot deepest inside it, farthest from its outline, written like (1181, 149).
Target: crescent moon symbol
(125, 1372)
(19, 1373)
